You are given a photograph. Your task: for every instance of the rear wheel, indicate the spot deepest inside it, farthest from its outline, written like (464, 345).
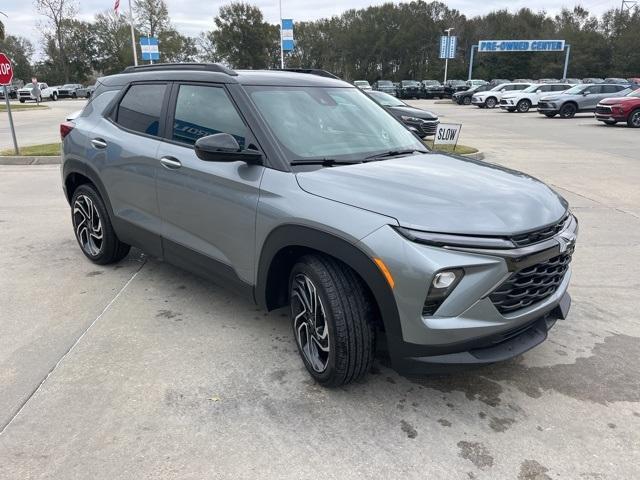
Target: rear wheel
(491, 102)
(330, 314)
(634, 119)
(568, 110)
(93, 228)
(524, 106)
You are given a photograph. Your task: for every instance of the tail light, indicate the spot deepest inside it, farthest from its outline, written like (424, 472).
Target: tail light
(65, 129)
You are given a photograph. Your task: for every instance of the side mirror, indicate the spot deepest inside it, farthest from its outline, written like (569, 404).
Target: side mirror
(223, 147)
(585, 93)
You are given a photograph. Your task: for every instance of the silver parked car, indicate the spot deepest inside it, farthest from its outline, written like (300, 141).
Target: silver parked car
(299, 191)
(581, 98)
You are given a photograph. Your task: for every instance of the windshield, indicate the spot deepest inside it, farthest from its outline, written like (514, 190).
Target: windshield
(361, 83)
(635, 93)
(385, 83)
(431, 82)
(577, 89)
(315, 123)
(28, 85)
(386, 100)
(409, 83)
(68, 85)
(532, 88)
(498, 87)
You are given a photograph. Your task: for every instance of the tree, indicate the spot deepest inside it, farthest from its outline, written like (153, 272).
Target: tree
(113, 42)
(20, 51)
(242, 38)
(176, 48)
(152, 17)
(57, 11)
(81, 57)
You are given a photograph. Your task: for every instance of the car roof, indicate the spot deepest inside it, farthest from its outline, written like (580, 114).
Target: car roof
(196, 73)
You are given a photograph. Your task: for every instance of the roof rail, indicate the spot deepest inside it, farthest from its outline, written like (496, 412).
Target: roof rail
(312, 71)
(208, 67)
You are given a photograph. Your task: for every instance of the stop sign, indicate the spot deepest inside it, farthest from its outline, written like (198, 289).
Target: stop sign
(6, 70)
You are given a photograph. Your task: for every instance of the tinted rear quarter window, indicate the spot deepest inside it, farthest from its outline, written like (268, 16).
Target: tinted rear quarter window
(140, 108)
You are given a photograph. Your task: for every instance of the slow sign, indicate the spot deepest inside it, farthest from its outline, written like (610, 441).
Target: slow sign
(447, 134)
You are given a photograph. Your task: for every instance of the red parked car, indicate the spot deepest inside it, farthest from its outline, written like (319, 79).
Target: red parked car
(620, 109)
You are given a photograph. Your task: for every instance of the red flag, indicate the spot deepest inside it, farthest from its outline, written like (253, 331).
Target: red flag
(116, 6)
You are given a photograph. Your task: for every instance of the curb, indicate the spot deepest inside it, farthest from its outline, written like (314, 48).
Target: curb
(19, 160)
(474, 156)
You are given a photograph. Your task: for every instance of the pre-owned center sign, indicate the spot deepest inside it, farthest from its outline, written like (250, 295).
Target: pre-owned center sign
(520, 46)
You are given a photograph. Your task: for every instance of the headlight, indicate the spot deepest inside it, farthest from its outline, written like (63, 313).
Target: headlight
(441, 286)
(448, 240)
(411, 119)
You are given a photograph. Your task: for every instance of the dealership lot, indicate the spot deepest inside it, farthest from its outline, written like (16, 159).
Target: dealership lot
(152, 373)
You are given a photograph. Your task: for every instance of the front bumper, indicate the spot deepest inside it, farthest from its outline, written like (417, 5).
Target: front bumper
(548, 107)
(608, 114)
(477, 100)
(467, 328)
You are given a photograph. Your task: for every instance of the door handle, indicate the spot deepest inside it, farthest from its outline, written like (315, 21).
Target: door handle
(170, 163)
(98, 143)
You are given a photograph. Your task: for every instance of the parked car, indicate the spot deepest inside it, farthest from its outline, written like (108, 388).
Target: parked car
(581, 98)
(12, 90)
(524, 80)
(572, 81)
(634, 81)
(409, 89)
(85, 92)
(423, 122)
(362, 84)
(70, 90)
(432, 89)
(547, 80)
(46, 92)
(522, 101)
(620, 109)
(476, 83)
(385, 86)
(592, 80)
(621, 81)
(491, 98)
(453, 86)
(498, 81)
(464, 97)
(303, 193)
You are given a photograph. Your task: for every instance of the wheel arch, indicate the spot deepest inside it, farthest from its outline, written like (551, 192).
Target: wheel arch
(76, 173)
(288, 242)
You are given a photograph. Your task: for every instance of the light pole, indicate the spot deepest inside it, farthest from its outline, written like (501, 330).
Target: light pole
(281, 47)
(446, 59)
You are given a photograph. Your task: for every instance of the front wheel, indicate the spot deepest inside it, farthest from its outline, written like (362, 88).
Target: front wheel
(466, 101)
(490, 102)
(331, 318)
(568, 110)
(524, 106)
(54, 96)
(93, 229)
(634, 119)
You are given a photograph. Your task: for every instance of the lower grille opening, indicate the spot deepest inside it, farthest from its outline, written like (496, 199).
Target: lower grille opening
(532, 284)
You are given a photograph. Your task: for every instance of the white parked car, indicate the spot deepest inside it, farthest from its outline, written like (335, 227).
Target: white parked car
(522, 101)
(46, 92)
(491, 98)
(362, 85)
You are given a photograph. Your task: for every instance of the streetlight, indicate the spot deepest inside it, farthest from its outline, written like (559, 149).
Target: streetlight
(446, 59)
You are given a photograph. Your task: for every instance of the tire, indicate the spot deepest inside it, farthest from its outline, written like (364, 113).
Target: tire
(54, 96)
(343, 307)
(22, 100)
(491, 102)
(550, 115)
(610, 122)
(568, 110)
(74, 95)
(523, 106)
(633, 120)
(97, 240)
(466, 101)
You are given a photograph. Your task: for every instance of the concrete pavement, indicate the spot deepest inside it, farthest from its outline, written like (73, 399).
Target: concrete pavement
(141, 370)
(37, 126)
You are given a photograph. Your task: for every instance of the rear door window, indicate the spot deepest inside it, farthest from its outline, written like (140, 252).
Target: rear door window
(141, 107)
(205, 110)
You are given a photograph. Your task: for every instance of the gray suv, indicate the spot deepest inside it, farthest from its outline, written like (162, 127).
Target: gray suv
(297, 190)
(581, 98)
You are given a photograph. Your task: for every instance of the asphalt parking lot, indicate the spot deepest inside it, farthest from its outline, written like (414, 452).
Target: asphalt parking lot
(37, 126)
(140, 370)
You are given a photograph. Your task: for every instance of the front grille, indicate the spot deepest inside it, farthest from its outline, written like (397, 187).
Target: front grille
(427, 128)
(544, 105)
(503, 102)
(603, 110)
(532, 284)
(536, 236)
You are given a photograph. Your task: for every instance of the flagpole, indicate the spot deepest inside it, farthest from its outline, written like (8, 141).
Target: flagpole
(133, 36)
(281, 47)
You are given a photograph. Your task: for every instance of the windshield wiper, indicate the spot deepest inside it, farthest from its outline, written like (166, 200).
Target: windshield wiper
(325, 162)
(393, 153)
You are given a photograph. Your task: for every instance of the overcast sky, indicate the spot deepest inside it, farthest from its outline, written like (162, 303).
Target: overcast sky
(193, 16)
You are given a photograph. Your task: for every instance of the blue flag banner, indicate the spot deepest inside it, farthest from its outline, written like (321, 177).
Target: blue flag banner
(287, 34)
(448, 46)
(149, 48)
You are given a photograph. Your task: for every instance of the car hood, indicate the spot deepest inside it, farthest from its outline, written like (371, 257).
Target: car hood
(414, 112)
(616, 100)
(440, 193)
